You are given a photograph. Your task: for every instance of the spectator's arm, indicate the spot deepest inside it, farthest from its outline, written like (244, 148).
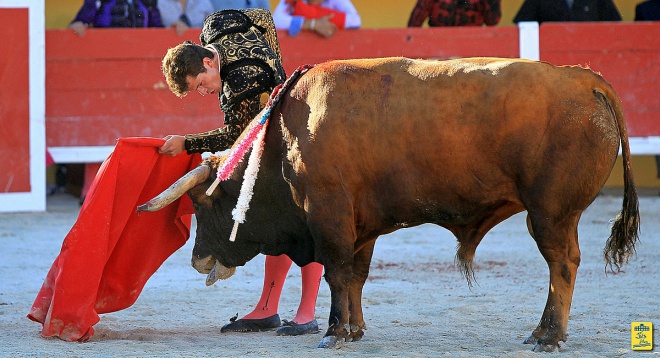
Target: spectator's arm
(86, 13)
(353, 19)
(179, 27)
(419, 14)
(84, 18)
(282, 17)
(204, 11)
(168, 12)
(78, 27)
(293, 23)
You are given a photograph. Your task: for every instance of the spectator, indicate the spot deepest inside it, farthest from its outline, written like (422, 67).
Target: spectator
(324, 17)
(240, 4)
(116, 13)
(648, 11)
(567, 10)
(456, 13)
(184, 14)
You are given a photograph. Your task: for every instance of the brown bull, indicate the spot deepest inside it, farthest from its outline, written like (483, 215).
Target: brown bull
(360, 148)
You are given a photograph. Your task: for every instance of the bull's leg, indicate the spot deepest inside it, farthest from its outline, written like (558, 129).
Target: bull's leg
(361, 262)
(330, 221)
(338, 273)
(557, 241)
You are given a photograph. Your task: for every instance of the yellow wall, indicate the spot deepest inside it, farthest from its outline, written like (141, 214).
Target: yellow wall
(375, 14)
(644, 170)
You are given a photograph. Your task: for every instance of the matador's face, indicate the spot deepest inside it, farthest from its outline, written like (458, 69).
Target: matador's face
(207, 82)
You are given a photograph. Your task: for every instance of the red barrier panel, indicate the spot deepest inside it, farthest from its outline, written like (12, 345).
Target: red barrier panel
(108, 84)
(436, 43)
(14, 109)
(626, 54)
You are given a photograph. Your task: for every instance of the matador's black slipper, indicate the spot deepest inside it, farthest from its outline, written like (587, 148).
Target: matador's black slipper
(252, 325)
(296, 329)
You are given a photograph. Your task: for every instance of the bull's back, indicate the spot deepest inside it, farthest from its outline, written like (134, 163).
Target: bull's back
(454, 128)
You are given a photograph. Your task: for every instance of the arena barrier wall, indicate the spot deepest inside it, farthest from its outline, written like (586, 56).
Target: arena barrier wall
(108, 84)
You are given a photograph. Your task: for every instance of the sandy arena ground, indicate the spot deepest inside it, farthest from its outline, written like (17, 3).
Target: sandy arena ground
(416, 302)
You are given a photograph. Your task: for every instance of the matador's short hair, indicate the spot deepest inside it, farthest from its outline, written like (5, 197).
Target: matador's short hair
(185, 59)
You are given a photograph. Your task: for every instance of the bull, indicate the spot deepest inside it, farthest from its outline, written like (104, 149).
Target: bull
(360, 148)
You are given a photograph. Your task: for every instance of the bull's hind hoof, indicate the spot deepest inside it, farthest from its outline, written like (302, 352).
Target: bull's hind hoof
(531, 340)
(545, 344)
(355, 336)
(331, 342)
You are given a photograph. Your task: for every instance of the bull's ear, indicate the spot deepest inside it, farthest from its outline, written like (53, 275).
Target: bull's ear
(198, 192)
(215, 161)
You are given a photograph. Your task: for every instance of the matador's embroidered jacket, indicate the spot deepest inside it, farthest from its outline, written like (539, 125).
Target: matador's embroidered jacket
(250, 66)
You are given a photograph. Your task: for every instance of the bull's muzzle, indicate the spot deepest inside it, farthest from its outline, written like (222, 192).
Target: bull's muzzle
(215, 270)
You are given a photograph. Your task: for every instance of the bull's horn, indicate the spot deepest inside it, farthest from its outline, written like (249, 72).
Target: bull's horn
(176, 190)
(219, 272)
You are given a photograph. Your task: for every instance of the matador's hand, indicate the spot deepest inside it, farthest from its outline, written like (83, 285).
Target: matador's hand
(174, 144)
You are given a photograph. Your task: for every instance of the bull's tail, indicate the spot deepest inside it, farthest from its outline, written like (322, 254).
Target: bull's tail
(625, 230)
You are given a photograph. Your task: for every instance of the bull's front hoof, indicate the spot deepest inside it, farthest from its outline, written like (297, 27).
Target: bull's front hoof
(540, 347)
(331, 342)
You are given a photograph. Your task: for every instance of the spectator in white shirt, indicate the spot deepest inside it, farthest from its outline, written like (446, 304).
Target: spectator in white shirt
(240, 4)
(324, 17)
(184, 14)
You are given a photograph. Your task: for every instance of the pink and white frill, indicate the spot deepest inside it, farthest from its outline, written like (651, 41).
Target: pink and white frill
(255, 139)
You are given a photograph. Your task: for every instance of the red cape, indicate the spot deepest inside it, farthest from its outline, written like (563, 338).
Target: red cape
(111, 252)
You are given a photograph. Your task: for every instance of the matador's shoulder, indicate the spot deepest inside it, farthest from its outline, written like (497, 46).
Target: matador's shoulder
(226, 22)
